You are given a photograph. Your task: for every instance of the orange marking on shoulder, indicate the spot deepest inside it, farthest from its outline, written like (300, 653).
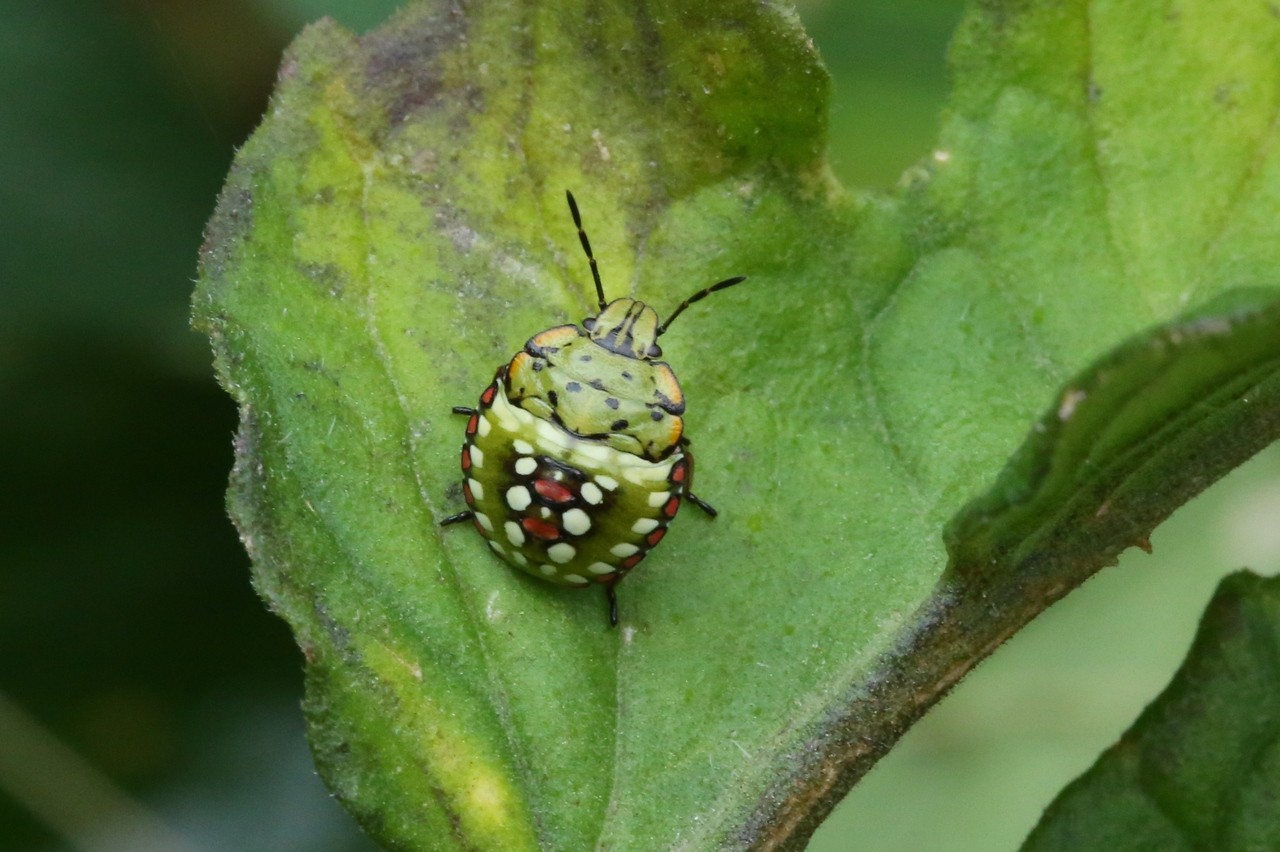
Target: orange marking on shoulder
(561, 335)
(520, 367)
(668, 386)
(675, 428)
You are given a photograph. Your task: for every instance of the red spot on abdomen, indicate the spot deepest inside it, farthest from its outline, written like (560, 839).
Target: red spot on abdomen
(486, 398)
(539, 528)
(678, 472)
(472, 423)
(654, 537)
(466, 457)
(552, 491)
(632, 561)
(673, 506)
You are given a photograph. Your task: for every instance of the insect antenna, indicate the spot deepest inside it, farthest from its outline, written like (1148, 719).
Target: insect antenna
(586, 246)
(697, 297)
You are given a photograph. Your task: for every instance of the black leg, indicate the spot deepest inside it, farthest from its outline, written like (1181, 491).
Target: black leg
(612, 597)
(702, 504)
(458, 518)
(462, 409)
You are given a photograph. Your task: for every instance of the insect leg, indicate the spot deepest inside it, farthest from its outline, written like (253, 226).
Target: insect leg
(463, 409)
(611, 596)
(458, 518)
(702, 504)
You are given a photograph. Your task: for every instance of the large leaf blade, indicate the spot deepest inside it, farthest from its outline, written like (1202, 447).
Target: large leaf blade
(395, 230)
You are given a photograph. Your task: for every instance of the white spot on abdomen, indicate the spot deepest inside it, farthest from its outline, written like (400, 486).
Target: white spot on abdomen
(598, 453)
(576, 521)
(518, 498)
(561, 552)
(553, 439)
(640, 471)
(508, 415)
(515, 535)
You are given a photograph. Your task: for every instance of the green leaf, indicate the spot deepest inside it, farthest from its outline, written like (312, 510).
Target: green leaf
(396, 229)
(1201, 767)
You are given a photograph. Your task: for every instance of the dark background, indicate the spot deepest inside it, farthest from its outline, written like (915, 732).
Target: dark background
(147, 699)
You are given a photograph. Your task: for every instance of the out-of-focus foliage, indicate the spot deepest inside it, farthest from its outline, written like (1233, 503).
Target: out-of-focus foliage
(129, 631)
(1199, 769)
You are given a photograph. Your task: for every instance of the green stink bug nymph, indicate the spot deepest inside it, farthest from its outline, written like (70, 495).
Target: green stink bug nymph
(575, 461)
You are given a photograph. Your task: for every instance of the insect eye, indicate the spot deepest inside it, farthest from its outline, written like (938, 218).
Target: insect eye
(589, 323)
(655, 351)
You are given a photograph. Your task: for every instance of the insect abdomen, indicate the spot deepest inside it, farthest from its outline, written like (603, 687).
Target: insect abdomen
(568, 509)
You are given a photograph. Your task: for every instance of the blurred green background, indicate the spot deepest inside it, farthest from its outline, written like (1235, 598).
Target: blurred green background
(148, 700)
